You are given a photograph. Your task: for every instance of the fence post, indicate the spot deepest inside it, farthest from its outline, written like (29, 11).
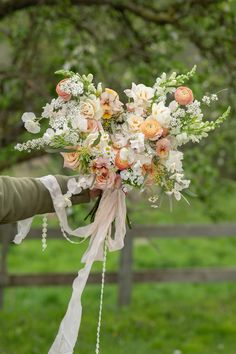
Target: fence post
(5, 237)
(125, 272)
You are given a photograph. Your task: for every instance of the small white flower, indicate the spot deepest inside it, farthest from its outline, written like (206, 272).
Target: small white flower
(48, 135)
(30, 122)
(174, 161)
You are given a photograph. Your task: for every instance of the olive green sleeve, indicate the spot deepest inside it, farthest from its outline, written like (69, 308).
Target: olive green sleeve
(21, 198)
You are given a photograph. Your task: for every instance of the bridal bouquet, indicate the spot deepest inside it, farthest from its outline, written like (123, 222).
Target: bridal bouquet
(115, 147)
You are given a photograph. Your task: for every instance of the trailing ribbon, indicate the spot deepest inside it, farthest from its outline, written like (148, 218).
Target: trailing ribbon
(112, 207)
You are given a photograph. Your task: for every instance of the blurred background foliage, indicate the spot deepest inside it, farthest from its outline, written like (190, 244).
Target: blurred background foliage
(121, 42)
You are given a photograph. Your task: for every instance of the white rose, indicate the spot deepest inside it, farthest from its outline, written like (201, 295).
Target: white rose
(162, 114)
(91, 108)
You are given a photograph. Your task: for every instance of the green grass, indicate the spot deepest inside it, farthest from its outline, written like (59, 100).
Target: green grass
(163, 318)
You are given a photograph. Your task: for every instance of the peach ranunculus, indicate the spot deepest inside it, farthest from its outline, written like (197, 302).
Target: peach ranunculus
(71, 159)
(162, 148)
(134, 122)
(184, 95)
(151, 128)
(111, 103)
(91, 109)
(64, 95)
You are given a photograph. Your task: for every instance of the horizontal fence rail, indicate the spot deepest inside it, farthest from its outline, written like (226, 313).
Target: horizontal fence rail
(125, 277)
(191, 230)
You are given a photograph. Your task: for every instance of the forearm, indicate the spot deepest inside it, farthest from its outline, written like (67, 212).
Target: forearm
(21, 198)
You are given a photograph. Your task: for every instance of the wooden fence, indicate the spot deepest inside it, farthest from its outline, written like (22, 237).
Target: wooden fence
(125, 276)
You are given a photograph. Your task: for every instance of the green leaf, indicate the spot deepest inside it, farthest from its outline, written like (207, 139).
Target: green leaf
(65, 73)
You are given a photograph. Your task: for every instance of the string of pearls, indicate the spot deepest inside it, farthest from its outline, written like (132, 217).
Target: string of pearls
(101, 300)
(64, 234)
(44, 232)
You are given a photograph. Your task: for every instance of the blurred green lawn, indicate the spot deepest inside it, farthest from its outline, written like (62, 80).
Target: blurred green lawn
(163, 318)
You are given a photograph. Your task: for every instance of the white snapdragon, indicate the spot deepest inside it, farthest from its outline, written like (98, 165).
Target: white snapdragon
(174, 161)
(137, 142)
(127, 154)
(182, 138)
(30, 122)
(162, 114)
(119, 140)
(140, 93)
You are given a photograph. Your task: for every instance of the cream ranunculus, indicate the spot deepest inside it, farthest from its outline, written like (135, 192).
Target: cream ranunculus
(91, 109)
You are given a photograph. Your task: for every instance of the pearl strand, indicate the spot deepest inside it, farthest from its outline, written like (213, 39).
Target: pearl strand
(101, 300)
(44, 232)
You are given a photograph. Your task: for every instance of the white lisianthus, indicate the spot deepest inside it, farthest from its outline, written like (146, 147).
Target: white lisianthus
(30, 122)
(174, 161)
(140, 93)
(162, 114)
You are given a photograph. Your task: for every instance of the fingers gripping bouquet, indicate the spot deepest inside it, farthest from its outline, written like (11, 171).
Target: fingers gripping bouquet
(114, 147)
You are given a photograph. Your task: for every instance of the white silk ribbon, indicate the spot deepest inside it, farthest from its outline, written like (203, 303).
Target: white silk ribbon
(112, 207)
